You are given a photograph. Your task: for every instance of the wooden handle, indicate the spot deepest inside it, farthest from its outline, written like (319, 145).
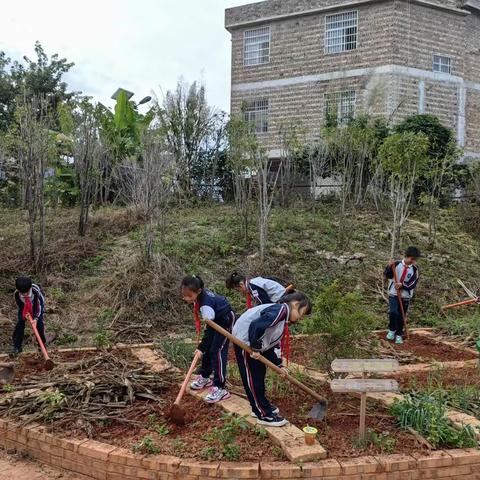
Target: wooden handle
(265, 361)
(470, 301)
(39, 340)
(195, 360)
(399, 296)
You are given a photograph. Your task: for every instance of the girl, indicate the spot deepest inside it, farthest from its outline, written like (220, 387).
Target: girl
(258, 290)
(213, 346)
(264, 328)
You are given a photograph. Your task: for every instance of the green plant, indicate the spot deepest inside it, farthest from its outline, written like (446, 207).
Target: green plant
(382, 441)
(231, 452)
(208, 453)
(162, 429)
(425, 413)
(8, 388)
(102, 336)
(146, 445)
(343, 321)
(53, 399)
(261, 432)
(177, 352)
(178, 445)
(278, 452)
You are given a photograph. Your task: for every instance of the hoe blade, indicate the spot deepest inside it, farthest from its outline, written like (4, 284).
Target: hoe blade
(318, 411)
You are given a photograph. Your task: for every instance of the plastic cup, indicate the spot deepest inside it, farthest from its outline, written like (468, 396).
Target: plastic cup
(310, 434)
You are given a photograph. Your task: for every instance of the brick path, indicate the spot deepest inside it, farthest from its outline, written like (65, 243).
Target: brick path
(14, 468)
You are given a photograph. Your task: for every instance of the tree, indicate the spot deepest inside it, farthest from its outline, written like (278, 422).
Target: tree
(187, 121)
(403, 157)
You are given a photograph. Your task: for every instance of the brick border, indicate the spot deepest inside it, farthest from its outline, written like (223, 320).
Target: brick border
(100, 461)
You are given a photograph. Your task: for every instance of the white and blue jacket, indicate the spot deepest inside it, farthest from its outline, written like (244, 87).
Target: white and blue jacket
(409, 282)
(265, 290)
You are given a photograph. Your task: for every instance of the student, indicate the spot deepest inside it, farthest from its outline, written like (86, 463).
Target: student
(258, 290)
(263, 328)
(30, 300)
(407, 276)
(213, 346)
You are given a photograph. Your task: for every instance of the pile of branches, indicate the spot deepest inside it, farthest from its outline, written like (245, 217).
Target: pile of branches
(98, 389)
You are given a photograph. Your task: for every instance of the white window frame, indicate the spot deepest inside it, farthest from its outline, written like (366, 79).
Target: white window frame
(255, 112)
(442, 63)
(345, 102)
(335, 48)
(259, 53)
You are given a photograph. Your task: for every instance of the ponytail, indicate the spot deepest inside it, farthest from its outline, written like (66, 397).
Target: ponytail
(301, 298)
(193, 282)
(234, 279)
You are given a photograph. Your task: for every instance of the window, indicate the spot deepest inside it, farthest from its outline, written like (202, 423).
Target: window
(442, 64)
(256, 113)
(256, 46)
(339, 107)
(341, 32)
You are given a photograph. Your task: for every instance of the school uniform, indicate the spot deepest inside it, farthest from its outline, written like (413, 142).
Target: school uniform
(264, 290)
(262, 328)
(214, 345)
(37, 302)
(408, 276)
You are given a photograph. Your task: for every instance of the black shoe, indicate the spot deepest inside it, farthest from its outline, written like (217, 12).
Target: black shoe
(273, 421)
(15, 352)
(275, 411)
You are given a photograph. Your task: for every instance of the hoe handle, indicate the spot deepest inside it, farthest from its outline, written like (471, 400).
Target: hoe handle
(470, 301)
(265, 361)
(195, 360)
(399, 295)
(39, 340)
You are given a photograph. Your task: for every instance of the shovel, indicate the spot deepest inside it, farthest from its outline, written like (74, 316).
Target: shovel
(177, 413)
(317, 412)
(7, 372)
(48, 361)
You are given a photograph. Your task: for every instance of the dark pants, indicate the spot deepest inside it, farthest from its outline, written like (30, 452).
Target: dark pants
(396, 323)
(19, 331)
(253, 378)
(216, 358)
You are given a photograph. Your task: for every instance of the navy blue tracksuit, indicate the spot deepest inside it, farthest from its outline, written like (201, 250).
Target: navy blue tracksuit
(214, 345)
(262, 328)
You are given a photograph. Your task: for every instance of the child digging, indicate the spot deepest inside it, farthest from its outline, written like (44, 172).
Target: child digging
(264, 328)
(258, 290)
(213, 346)
(30, 301)
(407, 276)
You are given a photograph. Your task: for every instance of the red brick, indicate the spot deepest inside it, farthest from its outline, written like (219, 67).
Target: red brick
(433, 459)
(466, 456)
(397, 463)
(321, 469)
(354, 466)
(238, 470)
(280, 470)
(201, 469)
(94, 449)
(410, 475)
(162, 463)
(374, 476)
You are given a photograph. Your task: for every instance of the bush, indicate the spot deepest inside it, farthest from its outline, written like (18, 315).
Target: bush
(177, 352)
(343, 323)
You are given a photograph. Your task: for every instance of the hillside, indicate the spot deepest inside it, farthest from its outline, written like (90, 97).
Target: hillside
(97, 290)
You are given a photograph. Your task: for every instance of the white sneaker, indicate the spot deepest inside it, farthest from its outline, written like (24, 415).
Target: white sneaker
(200, 383)
(399, 340)
(391, 335)
(216, 394)
(275, 411)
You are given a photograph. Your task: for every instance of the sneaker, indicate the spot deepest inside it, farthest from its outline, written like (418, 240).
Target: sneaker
(217, 394)
(399, 340)
(273, 421)
(200, 383)
(275, 411)
(391, 335)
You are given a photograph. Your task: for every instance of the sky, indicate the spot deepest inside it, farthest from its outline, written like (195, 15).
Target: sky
(144, 46)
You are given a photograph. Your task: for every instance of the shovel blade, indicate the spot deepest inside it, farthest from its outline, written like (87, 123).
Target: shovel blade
(177, 414)
(6, 375)
(318, 411)
(49, 365)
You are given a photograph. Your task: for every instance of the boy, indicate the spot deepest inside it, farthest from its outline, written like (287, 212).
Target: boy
(407, 277)
(263, 328)
(30, 300)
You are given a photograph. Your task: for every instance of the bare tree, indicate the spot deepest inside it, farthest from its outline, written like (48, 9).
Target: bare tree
(87, 151)
(149, 184)
(33, 150)
(318, 161)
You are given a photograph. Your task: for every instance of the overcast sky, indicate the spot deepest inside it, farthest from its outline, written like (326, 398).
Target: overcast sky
(140, 45)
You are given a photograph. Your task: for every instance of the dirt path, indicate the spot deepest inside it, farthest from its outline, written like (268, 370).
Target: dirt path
(12, 467)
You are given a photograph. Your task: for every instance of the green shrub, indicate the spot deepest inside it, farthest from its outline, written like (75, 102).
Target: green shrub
(342, 320)
(146, 445)
(177, 352)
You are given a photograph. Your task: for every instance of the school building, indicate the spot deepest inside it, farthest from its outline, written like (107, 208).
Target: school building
(311, 61)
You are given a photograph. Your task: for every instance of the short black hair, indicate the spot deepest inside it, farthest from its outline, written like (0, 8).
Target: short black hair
(193, 282)
(234, 279)
(23, 284)
(300, 297)
(413, 252)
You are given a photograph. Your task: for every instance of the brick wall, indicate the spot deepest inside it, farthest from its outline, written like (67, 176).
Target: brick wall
(100, 461)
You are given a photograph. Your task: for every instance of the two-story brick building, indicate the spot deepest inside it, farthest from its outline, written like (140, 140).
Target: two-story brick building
(308, 61)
